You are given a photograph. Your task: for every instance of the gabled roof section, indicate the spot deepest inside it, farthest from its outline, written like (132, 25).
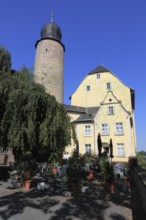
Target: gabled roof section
(99, 69)
(89, 115)
(113, 101)
(75, 109)
(107, 95)
(86, 114)
(102, 69)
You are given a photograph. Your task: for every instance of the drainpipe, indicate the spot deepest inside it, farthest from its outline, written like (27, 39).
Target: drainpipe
(95, 147)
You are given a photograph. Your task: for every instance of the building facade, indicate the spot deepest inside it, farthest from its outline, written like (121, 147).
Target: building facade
(103, 104)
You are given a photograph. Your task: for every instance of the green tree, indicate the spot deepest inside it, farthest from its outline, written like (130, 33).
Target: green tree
(5, 59)
(141, 156)
(31, 121)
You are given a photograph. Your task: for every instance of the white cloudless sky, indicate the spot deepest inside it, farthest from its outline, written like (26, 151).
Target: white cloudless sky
(94, 32)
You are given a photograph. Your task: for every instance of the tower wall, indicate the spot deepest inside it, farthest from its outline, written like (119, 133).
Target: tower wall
(49, 67)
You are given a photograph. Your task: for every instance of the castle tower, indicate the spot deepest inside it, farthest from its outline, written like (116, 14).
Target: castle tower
(49, 60)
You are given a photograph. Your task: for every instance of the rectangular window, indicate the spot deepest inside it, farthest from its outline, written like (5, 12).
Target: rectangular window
(98, 76)
(88, 148)
(108, 86)
(110, 110)
(87, 131)
(119, 128)
(87, 88)
(120, 150)
(105, 129)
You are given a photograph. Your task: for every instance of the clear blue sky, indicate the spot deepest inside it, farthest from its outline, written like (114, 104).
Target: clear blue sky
(94, 32)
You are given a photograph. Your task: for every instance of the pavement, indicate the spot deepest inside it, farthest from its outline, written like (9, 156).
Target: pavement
(56, 202)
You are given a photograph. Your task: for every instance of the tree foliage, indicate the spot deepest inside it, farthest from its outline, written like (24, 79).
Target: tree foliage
(141, 156)
(5, 59)
(30, 119)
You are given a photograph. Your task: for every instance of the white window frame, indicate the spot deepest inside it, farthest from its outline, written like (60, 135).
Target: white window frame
(88, 88)
(120, 150)
(87, 130)
(119, 128)
(88, 149)
(105, 129)
(110, 110)
(108, 86)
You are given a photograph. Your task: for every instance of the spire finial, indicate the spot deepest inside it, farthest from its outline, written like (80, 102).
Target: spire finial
(52, 16)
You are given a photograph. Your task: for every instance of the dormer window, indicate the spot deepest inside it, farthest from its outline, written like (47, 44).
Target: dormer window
(88, 88)
(108, 86)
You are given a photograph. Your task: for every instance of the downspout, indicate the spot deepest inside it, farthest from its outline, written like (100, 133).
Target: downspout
(95, 147)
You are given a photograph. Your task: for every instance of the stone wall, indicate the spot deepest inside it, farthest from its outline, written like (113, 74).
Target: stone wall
(6, 158)
(49, 67)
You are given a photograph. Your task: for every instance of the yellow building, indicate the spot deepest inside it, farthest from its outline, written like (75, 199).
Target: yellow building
(103, 104)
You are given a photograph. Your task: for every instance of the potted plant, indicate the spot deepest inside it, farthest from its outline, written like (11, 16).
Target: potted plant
(108, 173)
(126, 177)
(53, 160)
(74, 172)
(26, 179)
(25, 164)
(88, 160)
